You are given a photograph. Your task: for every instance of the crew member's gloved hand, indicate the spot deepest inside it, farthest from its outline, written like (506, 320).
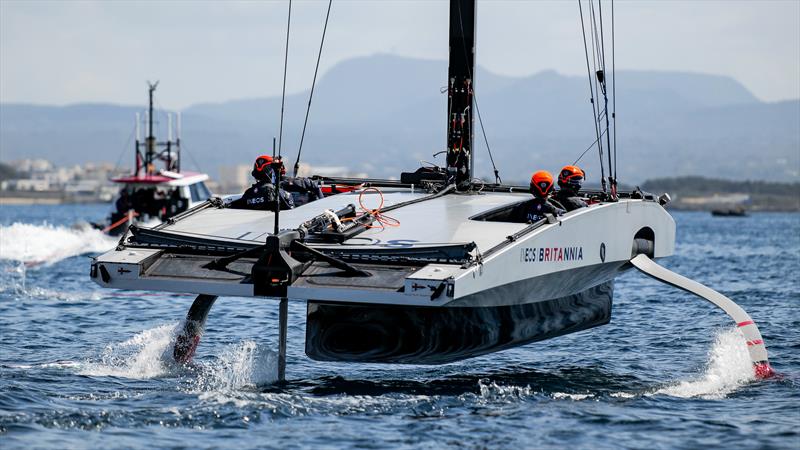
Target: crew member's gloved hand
(227, 200)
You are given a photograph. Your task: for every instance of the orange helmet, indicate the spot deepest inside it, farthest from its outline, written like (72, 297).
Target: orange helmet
(541, 183)
(261, 168)
(571, 177)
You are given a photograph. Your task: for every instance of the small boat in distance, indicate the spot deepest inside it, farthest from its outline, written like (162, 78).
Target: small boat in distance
(151, 195)
(729, 212)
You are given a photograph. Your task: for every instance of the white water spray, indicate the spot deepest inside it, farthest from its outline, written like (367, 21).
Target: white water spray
(47, 244)
(728, 368)
(243, 365)
(148, 354)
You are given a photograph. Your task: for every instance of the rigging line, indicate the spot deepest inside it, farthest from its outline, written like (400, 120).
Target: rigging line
(285, 65)
(595, 64)
(483, 130)
(311, 94)
(602, 39)
(605, 92)
(125, 148)
(475, 97)
(597, 61)
(587, 149)
(600, 48)
(613, 89)
(183, 144)
(591, 92)
(194, 161)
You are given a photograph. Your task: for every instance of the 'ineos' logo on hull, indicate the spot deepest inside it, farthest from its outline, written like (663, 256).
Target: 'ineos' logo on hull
(602, 252)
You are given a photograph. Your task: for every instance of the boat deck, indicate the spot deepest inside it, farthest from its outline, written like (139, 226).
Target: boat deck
(417, 221)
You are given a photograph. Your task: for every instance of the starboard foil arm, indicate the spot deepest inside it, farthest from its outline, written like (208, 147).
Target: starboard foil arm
(755, 343)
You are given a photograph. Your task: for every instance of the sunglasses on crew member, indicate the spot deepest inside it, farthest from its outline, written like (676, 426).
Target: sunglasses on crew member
(262, 164)
(570, 176)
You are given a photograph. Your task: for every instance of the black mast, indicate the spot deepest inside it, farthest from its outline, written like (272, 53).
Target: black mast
(460, 87)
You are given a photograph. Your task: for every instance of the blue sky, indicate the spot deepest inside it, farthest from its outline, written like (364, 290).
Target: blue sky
(60, 52)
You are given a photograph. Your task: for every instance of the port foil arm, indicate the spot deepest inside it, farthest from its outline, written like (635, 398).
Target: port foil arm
(192, 328)
(755, 343)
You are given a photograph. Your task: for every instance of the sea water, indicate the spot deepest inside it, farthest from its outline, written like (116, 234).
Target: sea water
(85, 367)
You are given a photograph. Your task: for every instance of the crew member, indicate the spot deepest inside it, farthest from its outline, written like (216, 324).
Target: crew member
(123, 203)
(569, 182)
(535, 209)
(261, 195)
(303, 190)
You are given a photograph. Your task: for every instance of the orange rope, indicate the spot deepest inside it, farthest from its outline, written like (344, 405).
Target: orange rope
(382, 219)
(119, 222)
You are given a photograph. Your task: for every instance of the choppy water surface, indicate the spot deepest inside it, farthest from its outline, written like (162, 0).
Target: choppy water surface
(82, 366)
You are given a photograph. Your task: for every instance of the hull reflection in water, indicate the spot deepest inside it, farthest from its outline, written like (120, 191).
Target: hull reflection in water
(422, 335)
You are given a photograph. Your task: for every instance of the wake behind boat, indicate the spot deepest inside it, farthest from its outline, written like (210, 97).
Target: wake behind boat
(430, 269)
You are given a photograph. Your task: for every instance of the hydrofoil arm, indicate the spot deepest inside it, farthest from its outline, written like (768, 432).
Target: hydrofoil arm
(755, 343)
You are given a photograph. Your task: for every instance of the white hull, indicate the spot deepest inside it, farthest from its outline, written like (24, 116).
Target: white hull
(581, 249)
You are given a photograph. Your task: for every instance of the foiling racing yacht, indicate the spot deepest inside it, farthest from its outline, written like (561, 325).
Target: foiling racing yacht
(150, 194)
(425, 270)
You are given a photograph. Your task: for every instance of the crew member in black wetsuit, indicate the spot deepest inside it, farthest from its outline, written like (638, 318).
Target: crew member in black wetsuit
(569, 181)
(261, 195)
(303, 190)
(122, 205)
(535, 209)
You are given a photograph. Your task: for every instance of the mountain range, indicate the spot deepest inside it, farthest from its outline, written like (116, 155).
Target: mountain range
(382, 114)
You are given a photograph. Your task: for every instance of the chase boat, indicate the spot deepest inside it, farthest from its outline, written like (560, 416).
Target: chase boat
(151, 194)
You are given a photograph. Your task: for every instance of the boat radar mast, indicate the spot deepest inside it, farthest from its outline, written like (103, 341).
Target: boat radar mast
(150, 150)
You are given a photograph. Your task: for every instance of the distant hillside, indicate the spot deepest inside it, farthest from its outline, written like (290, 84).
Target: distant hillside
(762, 195)
(382, 114)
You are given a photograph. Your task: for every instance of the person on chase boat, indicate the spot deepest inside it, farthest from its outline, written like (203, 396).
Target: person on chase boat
(535, 209)
(261, 195)
(569, 182)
